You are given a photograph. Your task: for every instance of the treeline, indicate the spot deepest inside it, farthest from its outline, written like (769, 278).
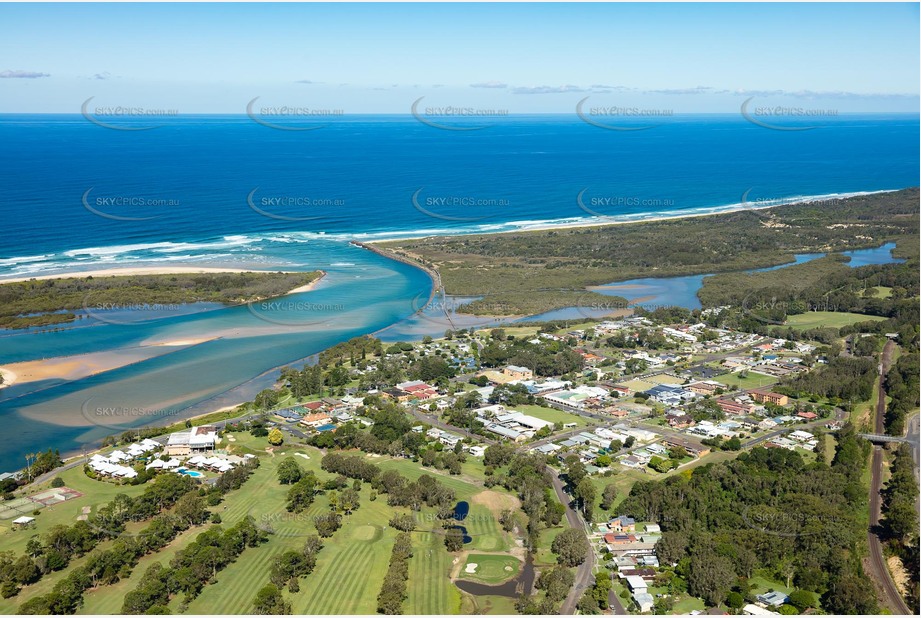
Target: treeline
(555, 584)
(192, 568)
(287, 569)
(353, 350)
(44, 462)
(842, 379)
(527, 476)
(52, 301)
(393, 590)
(389, 434)
(61, 544)
(766, 510)
(902, 386)
(353, 466)
(548, 358)
(424, 491)
(900, 496)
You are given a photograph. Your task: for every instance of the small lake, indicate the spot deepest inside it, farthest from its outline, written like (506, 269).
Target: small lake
(461, 510)
(513, 588)
(652, 293)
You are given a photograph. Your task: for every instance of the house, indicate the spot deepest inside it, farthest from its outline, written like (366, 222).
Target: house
(546, 449)
(679, 421)
(316, 419)
(288, 415)
(644, 601)
(646, 573)
(196, 439)
(807, 416)
(736, 408)
(516, 372)
(754, 610)
(773, 599)
(449, 440)
(619, 539)
(477, 450)
(636, 583)
(693, 448)
(707, 387)
(762, 396)
(622, 524)
(512, 434)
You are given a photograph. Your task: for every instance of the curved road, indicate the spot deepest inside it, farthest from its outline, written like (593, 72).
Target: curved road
(877, 564)
(585, 574)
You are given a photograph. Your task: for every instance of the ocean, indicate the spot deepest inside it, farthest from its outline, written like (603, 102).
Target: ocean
(226, 191)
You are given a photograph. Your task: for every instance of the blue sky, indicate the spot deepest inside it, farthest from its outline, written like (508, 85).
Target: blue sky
(366, 58)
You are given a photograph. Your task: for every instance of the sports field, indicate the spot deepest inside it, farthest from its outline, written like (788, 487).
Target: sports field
(832, 319)
(552, 415)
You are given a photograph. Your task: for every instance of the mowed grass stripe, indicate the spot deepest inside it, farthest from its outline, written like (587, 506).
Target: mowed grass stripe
(429, 585)
(355, 588)
(237, 585)
(330, 590)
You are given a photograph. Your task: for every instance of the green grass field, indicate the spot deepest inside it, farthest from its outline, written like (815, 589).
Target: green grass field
(833, 319)
(552, 415)
(429, 590)
(752, 380)
(490, 569)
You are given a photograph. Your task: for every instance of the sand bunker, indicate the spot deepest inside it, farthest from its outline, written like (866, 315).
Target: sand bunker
(471, 567)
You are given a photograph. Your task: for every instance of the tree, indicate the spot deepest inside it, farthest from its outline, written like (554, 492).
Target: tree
(629, 442)
(555, 582)
(802, 599)
(302, 493)
(328, 524)
(571, 547)
(615, 446)
(575, 470)
(585, 493)
(190, 510)
(602, 588)
(710, 576)
(276, 437)
(289, 471)
(349, 500)
(735, 600)
(454, 539)
(608, 496)
(269, 601)
(406, 523)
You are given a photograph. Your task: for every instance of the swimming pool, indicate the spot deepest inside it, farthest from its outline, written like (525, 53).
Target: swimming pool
(193, 473)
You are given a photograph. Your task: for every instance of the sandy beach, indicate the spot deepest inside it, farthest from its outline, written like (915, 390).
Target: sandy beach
(140, 270)
(310, 286)
(680, 214)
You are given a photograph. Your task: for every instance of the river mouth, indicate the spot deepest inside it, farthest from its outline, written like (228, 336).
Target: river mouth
(513, 588)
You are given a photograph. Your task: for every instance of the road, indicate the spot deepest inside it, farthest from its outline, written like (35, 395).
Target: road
(878, 571)
(433, 420)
